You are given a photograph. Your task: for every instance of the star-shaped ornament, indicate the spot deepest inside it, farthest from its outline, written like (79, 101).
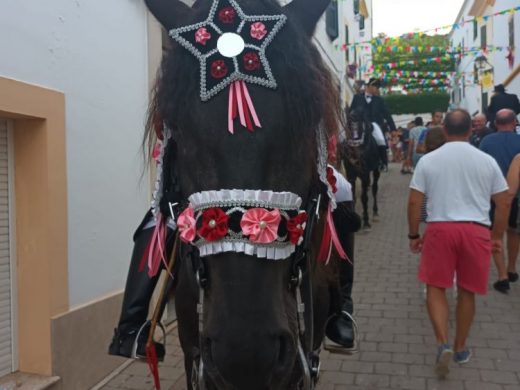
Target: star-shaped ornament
(230, 47)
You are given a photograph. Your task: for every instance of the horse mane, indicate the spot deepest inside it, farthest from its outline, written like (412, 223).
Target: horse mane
(311, 94)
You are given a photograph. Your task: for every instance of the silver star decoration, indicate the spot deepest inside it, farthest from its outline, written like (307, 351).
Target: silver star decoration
(207, 52)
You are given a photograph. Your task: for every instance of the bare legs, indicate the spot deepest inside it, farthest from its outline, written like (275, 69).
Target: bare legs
(465, 315)
(438, 311)
(513, 245)
(500, 263)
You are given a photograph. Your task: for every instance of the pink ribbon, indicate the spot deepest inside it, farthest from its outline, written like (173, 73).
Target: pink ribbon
(186, 225)
(240, 104)
(261, 225)
(330, 237)
(155, 251)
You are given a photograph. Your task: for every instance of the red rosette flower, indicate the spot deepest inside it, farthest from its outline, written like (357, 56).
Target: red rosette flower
(219, 69)
(296, 227)
(251, 61)
(227, 15)
(332, 179)
(214, 224)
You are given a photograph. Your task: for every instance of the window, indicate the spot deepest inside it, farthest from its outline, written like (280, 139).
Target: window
(356, 7)
(475, 74)
(484, 102)
(361, 22)
(347, 50)
(475, 29)
(483, 36)
(463, 87)
(331, 20)
(512, 31)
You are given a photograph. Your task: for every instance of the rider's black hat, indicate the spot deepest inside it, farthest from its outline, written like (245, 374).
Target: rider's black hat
(374, 82)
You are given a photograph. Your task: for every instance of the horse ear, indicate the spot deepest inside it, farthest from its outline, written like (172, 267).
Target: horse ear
(170, 13)
(308, 12)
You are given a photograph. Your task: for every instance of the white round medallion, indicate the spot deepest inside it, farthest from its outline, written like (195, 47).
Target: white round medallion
(230, 45)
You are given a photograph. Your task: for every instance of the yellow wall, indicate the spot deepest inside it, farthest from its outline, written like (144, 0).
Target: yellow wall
(41, 216)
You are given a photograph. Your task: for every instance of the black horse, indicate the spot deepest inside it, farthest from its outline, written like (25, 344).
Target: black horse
(247, 322)
(364, 164)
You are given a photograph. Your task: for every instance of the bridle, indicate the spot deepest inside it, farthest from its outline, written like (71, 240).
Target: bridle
(299, 283)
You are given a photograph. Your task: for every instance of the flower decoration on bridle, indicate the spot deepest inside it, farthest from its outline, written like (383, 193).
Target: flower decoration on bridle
(262, 223)
(231, 49)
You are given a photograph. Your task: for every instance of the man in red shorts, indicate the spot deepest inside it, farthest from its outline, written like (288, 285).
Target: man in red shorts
(459, 182)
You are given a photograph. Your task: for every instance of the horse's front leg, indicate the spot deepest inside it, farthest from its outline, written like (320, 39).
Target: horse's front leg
(375, 189)
(365, 184)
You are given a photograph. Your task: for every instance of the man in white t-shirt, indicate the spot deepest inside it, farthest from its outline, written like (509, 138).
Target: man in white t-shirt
(459, 181)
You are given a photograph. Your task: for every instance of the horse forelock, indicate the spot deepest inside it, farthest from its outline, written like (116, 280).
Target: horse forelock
(290, 115)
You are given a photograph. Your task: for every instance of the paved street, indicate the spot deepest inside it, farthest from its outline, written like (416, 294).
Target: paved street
(397, 347)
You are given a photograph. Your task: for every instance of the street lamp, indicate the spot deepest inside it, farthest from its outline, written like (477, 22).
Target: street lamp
(481, 61)
(484, 68)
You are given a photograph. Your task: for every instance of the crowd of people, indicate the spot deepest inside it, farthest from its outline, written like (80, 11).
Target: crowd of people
(465, 184)
(465, 187)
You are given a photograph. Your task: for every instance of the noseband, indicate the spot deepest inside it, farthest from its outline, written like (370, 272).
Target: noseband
(241, 202)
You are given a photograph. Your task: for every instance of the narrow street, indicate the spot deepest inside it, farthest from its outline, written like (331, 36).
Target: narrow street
(397, 344)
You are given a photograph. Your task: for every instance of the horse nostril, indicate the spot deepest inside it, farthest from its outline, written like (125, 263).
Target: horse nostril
(286, 351)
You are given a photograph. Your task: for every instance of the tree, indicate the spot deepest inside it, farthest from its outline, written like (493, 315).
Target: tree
(417, 104)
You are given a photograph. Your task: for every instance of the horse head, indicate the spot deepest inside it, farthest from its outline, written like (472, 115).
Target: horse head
(249, 332)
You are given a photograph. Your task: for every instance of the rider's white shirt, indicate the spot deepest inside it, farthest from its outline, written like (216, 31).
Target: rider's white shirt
(378, 135)
(344, 192)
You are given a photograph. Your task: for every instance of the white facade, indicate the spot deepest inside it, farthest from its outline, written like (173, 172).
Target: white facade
(350, 30)
(95, 52)
(497, 31)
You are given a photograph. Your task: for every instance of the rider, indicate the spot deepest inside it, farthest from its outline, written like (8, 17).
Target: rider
(374, 108)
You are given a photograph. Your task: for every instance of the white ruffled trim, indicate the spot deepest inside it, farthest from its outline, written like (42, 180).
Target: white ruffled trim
(245, 198)
(158, 189)
(322, 164)
(259, 250)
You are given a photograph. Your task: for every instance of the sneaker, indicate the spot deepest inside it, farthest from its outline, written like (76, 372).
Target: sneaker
(501, 286)
(442, 365)
(512, 276)
(462, 357)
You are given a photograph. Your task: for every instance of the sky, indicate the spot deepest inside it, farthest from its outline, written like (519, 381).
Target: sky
(397, 17)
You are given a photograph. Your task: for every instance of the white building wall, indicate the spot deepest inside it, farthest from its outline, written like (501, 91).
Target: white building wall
(332, 51)
(470, 97)
(96, 53)
(501, 38)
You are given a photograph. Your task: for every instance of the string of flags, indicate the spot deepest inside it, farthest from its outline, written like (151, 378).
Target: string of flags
(416, 91)
(396, 41)
(425, 52)
(415, 49)
(424, 75)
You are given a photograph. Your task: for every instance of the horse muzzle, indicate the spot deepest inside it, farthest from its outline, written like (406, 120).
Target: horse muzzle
(249, 361)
